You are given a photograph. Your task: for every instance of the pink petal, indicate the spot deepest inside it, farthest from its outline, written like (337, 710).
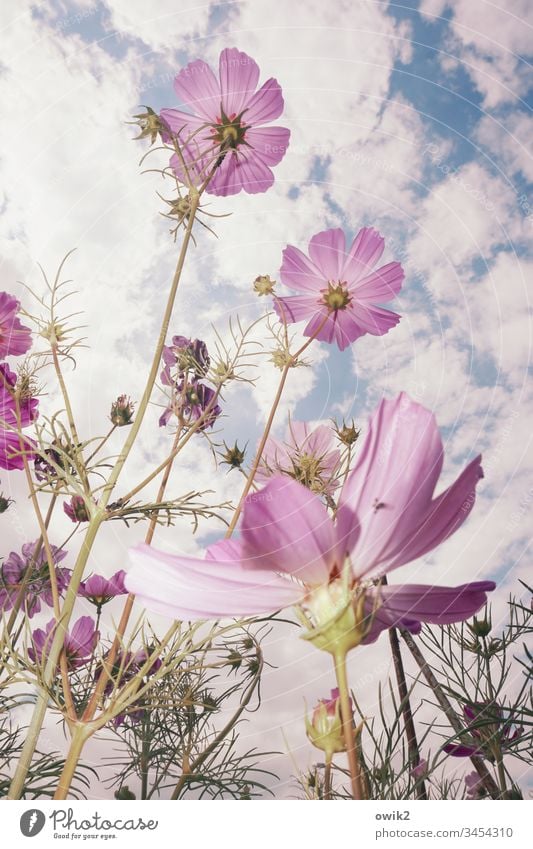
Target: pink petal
(328, 251)
(240, 171)
(391, 485)
(419, 603)
(298, 272)
(373, 320)
(270, 143)
(190, 589)
(286, 527)
(183, 124)
(239, 75)
(381, 285)
(197, 86)
(265, 105)
(365, 251)
(296, 308)
(340, 327)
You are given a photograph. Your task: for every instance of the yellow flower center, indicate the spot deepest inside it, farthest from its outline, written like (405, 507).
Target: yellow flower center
(336, 296)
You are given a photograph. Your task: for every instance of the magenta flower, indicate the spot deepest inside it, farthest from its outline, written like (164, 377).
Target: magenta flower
(11, 456)
(474, 786)
(224, 130)
(126, 666)
(185, 355)
(420, 770)
(488, 727)
(38, 588)
(15, 339)
(76, 509)
(190, 402)
(79, 644)
(100, 590)
(292, 552)
(340, 290)
(308, 456)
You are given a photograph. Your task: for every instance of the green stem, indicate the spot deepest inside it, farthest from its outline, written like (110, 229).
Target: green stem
(327, 777)
(99, 515)
(347, 725)
(79, 736)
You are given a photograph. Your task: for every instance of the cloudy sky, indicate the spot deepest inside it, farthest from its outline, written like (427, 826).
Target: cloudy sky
(411, 117)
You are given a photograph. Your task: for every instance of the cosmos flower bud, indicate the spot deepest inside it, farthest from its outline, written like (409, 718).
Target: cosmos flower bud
(122, 411)
(76, 509)
(348, 435)
(150, 125)
(324, 730)
(124, 793)
(263, 285)
(480, 627)
(233, 457)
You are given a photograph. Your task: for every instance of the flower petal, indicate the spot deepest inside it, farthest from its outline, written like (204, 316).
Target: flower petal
(265, 105)
(241, 171)
(296, 308)
(191, 589)
(270, 143)
(372, 319)
(239, 75)
(422, 603)
(365, 251)
(381, 285)
(197, 86)
(285, 527)
(328, 251)
(391, 485)
(298, 272)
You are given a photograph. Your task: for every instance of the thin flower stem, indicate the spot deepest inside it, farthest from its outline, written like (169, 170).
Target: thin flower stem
(80, 734)
(477, 762)
(498, 757)
(347, 726)
(291, 362)
(101, 444)
(327, 777)
(97, 518)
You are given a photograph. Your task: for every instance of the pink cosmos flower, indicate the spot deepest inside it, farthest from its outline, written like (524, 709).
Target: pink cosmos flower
(339, 288)
(308, 456)
(79, 643)
(10, 447)
(38, 587)
(292, 553)
(15, 339)
(100, 590)
(324, 730)
(224, 128)
(474, 786)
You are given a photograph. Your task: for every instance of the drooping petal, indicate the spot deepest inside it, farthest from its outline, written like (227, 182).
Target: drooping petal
(197, 87)
(191, 589)
(239, 75)
(396, 604)
(392, 483)
(328, 251)
(286, 528)
(270, 143)
(298, 272)
(265, 105)
(365, 251)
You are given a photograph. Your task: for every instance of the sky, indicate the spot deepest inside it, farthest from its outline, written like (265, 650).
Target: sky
(412, 117)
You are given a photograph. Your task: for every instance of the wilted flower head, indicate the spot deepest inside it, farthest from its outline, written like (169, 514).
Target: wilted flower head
(149, 124)
(339, 291)
(325, 728)
(190, 403)
(15, 339)
(122, 411)
(474, 786)
(38, 587)
(12, 445)
(99, 590)
(308, 455)
(126, 666)
(291, 552)
(4, 503)
(50, 462)
(223, 134)
(79, 643)
(187, 356)
(76, 509)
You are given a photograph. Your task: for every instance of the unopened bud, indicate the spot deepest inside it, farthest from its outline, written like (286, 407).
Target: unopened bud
(233, 457)
(122, 411)
(325, 728)
(149, 124)
(347, 434)
(263, 285)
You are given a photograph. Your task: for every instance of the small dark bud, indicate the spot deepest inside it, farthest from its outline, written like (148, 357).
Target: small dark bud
(4, 503)
(347, 434)
(121, 411)
(233, 457)
(124, 793)
(480, 627)
(149, 124)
